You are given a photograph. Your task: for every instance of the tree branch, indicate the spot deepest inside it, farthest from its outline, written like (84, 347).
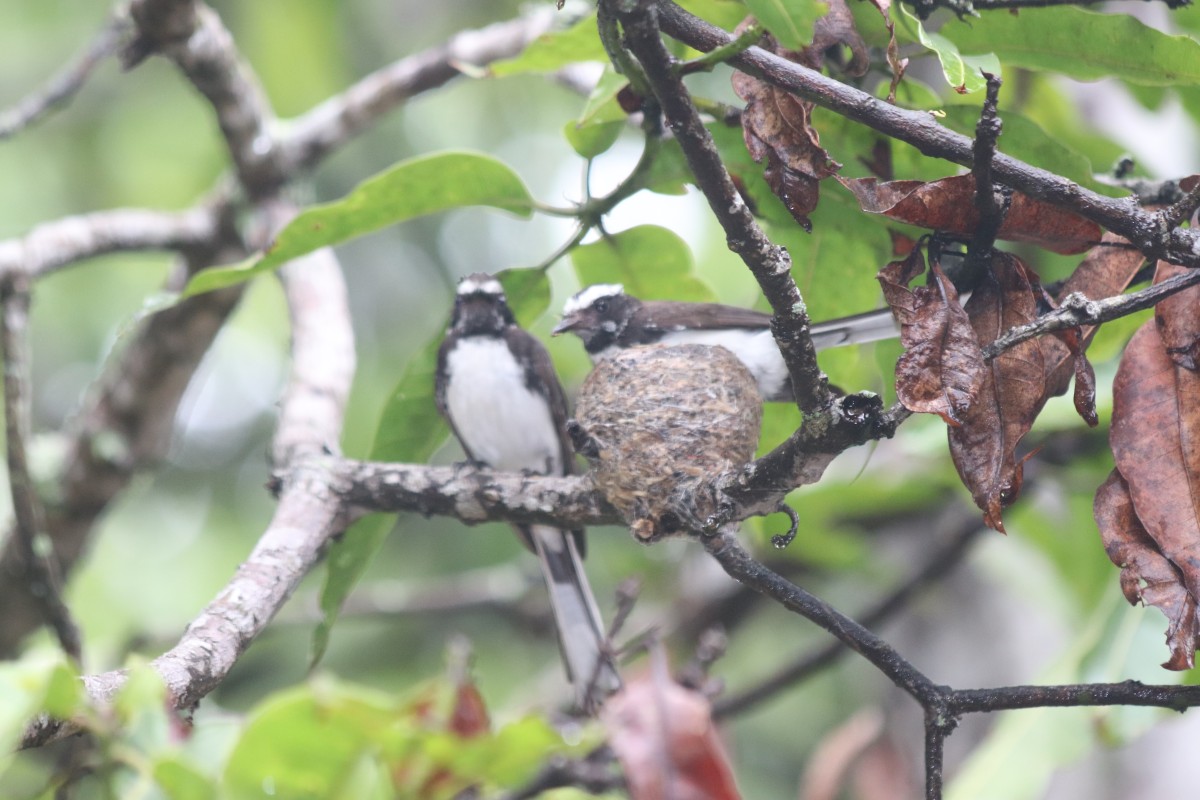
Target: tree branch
(314, 134)
(56, 244)
(309, 513)
(40, 575)
(63, 86)
(770, 264)
(1146, 231)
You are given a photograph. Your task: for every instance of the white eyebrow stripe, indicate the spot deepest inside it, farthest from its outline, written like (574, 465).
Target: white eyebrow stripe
(585, 297)
(490, 286)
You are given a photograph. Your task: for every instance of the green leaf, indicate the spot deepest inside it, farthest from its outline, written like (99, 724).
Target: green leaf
(591, 140)
(652, 262)
(791, 21)
(28, 687)
(552, 51)
(1082, 44)
(181, 781)
(602, 105)
(962, 72)
(669, 172)
(424, 185)
(306, 742)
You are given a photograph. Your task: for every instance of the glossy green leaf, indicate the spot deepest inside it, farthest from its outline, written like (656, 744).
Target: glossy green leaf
(1082, 44)
(552, 51)
(652, 262)
(181, 781)
(590, 141)
(790, 21)
(962, 72)
(669, 173)
(424, 185)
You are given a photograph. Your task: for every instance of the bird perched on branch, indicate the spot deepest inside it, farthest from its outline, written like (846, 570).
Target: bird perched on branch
(658, 423)
(609, 320)
(497, 387)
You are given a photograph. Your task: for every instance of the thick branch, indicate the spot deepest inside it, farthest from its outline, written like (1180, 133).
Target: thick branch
(1145, 230)
(64, 241)
(472, 495)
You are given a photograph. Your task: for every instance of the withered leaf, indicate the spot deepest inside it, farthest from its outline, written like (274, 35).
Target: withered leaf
(941, 368)
(1147, 576)
(948, 205)
(1155, 439)
(836, 27)
(776, 127)
(1178, 319)
(1013, 391)
(665, 739)
(1107, 270)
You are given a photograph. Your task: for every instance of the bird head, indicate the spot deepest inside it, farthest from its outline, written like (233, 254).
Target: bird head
(480, 306)
(598, 315)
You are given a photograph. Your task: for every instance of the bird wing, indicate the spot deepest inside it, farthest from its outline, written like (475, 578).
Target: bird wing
(666, 316)
(541, 377)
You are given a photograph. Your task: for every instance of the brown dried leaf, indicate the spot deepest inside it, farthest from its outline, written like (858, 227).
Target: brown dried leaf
(1013, 390)
(664, 737)
(776, 128)
(948, 205)
(1155, 439)
(1147, 576)
(1178, 319)
(941, 369)
(836, 27)
(1107, 270)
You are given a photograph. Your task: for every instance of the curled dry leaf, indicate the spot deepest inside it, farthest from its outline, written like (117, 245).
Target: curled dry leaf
(1107, 270)
(777, 129)
(1147, 576)
(1155, 439)
(941, 369)
(664, 737)
(948, 205)
(836, 27)
(1177, 319)
(1012, 393)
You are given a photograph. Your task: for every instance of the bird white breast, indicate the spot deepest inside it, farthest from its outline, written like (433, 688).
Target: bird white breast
(501, 421)
(756, 349)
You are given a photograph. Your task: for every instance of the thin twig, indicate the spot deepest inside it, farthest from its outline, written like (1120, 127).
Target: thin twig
(69, 80)
(41, 574)
(939, 563)
(1076, 310)
(770, 264)
(991, 213)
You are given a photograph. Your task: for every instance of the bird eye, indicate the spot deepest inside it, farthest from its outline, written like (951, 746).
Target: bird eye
(602, 305)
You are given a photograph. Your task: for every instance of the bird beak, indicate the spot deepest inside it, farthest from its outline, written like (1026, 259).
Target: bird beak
(566, 324)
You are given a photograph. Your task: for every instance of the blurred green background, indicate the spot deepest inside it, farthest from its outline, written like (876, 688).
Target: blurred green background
(1039, 605)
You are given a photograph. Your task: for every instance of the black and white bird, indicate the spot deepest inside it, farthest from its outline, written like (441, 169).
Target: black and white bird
(496, 386)
(608, 320)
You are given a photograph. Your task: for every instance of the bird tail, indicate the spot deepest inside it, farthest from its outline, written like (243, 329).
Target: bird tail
(581, 636)
(858, 329)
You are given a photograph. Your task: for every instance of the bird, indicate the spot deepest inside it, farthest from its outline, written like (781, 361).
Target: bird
(497, 388)
(608, 320)
(657, 429)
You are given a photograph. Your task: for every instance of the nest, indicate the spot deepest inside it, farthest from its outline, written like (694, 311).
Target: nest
(658, 424)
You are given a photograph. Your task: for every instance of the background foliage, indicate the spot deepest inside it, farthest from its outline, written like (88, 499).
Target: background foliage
(1041, 605)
